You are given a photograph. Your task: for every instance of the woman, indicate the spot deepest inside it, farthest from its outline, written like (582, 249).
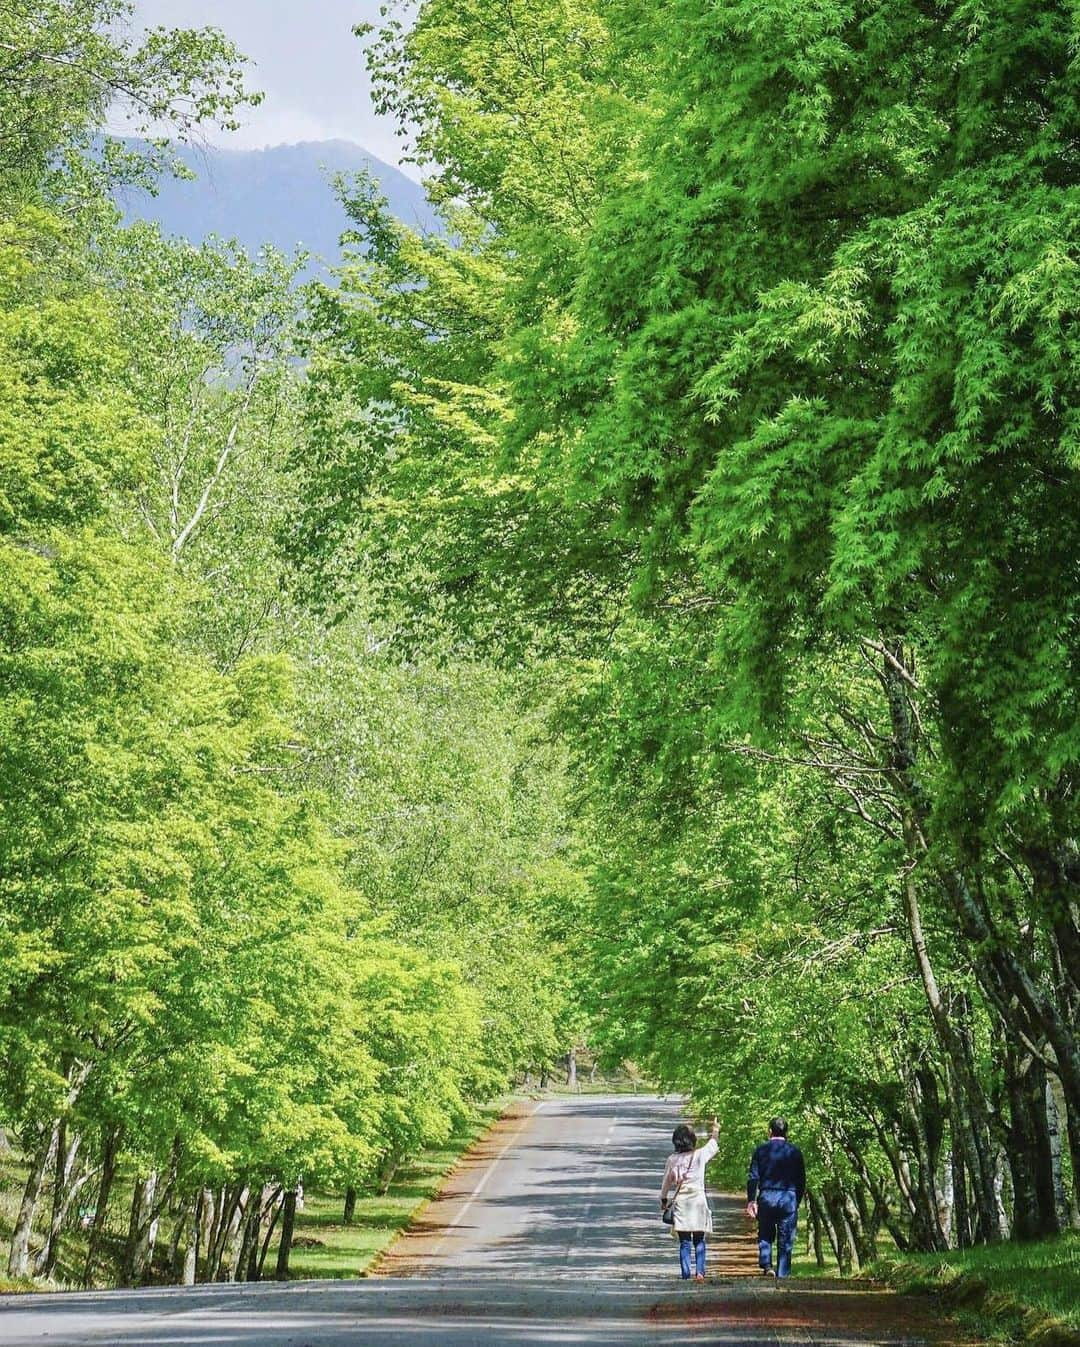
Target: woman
(684, 1185)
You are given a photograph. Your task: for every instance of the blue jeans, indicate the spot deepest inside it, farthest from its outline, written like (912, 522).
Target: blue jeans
(778, 1211)
(684, 1252)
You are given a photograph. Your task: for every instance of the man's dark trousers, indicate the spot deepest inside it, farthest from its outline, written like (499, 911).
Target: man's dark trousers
(778, 1210)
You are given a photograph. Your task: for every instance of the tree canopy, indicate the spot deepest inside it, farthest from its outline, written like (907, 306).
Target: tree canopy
(780, 339)
(278, 895)
(649, 602)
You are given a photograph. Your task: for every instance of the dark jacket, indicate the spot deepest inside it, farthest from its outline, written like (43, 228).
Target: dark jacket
(776, 1166)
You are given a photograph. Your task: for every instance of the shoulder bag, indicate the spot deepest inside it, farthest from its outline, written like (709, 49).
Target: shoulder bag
(667, 1212)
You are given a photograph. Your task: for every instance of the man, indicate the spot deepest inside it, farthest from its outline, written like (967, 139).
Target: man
(774, 1188)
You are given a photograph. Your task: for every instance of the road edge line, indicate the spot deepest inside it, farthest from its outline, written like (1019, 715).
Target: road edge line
(373, 1268)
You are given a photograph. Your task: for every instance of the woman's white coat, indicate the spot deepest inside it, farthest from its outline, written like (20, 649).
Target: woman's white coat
(686, 1172)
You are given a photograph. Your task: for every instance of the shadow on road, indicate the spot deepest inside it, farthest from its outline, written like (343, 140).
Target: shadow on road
(547, 1234)
(470, 1312)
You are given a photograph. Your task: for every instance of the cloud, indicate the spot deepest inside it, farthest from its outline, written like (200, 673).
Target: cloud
(306, 62)
(282, 124)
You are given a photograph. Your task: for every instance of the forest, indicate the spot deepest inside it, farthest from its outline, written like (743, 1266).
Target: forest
(641, 614)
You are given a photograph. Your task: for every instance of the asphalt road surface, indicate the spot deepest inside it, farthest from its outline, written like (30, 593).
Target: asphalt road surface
(547, 1234)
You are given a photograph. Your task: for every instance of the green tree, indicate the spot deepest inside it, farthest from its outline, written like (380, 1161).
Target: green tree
(66, 64)
(795, 383)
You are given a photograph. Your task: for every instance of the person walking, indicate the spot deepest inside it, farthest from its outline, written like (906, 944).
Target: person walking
(774, 1188)
(683, 1188)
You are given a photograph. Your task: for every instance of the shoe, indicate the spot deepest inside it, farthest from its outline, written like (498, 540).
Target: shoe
(768, 1272)
(699, 1276)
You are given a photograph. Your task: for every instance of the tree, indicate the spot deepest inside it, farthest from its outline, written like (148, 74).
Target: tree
(820, 423)
(802, 367)
(65, 64)
(232, 959)
(211, 341)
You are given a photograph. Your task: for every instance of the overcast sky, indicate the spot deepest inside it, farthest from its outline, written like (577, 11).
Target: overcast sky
(306, 62)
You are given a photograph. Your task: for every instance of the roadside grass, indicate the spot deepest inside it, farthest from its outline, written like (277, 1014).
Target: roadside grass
(323, 1246)
(1019, 1292)
(10, 1286)
(804, 1264)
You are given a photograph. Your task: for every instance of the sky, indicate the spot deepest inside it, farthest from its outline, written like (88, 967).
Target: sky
(306, 62)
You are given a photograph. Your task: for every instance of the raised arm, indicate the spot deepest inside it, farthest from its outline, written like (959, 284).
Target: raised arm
(711, 1146)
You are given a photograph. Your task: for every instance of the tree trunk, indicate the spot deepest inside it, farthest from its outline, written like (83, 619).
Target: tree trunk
(190, 1270)
(821, 1219)
(101, 1207)
(1003, 967)
(66, 1188)
(226, 1211)
(227, 1216)
(1034, 1199)
(387, 1170)
(1072, 1126)
(901, 1175)
(235, 1234)
(1001, 1165)
(571, 1069)
(844, 1243)
(175, 1258)
(868, 1187)
(19, 1255)
(350, 1206)
(251, 1227)
(967, 1106)
(1054, 1137)
(961, 1222)
(208, 1206)
(268, 1195)
(1027, 1012)
(276, 1212)
(288, 1223)
(147, 1240)
(815, 1232)
(215, 1218)
(922, 1184)
(142, 1230)
(861, 1227)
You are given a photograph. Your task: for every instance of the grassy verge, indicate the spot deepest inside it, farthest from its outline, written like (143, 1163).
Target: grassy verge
(325, 1247)
(805, 1265)
(10, 1286)
(1026, 1293)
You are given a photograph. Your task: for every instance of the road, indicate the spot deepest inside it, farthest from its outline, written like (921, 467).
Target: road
(546, 1235)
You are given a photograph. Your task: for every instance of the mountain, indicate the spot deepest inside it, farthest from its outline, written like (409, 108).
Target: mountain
(281, 195)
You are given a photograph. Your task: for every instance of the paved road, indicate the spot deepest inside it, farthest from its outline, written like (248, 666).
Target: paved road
(546, 1235)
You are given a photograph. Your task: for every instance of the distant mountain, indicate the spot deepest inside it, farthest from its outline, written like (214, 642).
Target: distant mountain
(281, 195)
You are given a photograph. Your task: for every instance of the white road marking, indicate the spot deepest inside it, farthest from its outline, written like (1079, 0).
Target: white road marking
(487, 1175)
(575, 1243)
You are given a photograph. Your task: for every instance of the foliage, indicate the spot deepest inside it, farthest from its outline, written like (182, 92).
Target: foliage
(644, 610)
(768, 399)
(229, 959)
(1025, 1292)
(66, 64)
